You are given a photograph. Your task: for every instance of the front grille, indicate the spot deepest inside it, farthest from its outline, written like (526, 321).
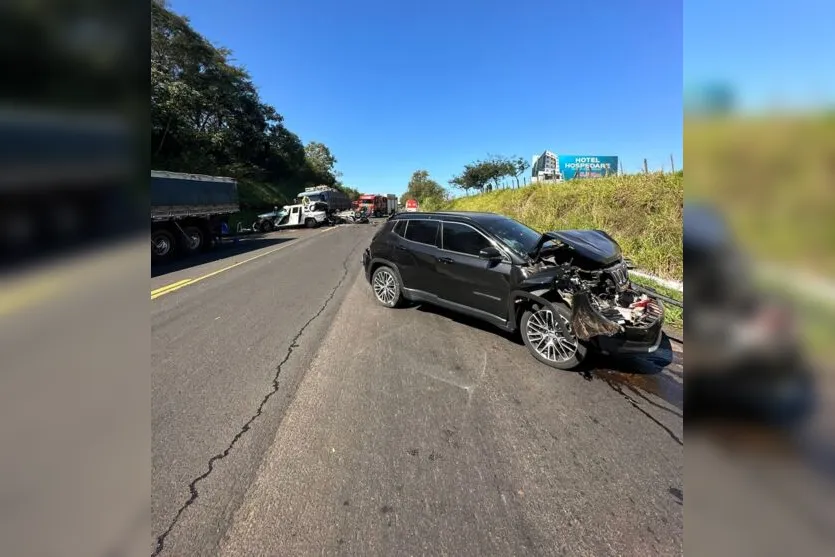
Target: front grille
(620, 275)
(652, 314)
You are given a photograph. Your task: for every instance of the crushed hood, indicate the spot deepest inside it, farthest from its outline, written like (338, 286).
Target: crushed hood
(594, 245)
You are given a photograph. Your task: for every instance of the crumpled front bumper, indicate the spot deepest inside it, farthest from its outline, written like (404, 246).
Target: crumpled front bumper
(611, 337)
(633, 340)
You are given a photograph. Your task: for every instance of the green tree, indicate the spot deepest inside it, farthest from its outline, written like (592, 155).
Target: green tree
(322, 161)
(207, 117)
(520, 166)
(484, 175)
(473, 177)
(352, 193)
(496, 168)
(422, 188)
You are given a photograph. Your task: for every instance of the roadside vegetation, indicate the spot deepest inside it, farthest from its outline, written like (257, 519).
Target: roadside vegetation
(771, 177)
(643, 212)
(208, 118)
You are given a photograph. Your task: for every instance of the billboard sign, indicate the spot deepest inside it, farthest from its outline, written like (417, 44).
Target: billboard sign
(411, 205)
(587, 166)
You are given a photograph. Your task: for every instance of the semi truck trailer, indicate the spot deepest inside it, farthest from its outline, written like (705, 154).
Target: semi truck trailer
(336, 200)
(188, 211)
(66, 181)
(391, 204)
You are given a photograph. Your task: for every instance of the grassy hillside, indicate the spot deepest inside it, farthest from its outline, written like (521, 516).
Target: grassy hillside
(642, 212)
(773, 178)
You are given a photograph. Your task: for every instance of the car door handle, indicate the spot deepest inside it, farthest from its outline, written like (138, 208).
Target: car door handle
(446, 260)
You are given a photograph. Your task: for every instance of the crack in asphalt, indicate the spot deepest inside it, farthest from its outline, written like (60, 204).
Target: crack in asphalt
(194, 494)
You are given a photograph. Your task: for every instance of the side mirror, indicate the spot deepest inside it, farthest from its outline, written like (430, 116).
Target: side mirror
(490, 253)
(629, 264)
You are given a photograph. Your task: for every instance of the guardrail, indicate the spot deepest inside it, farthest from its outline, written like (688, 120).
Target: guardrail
(662, 297)
(671, 284)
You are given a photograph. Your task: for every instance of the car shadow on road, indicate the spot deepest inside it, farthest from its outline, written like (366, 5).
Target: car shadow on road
(633, 376)
(469, 322)
(229, 248)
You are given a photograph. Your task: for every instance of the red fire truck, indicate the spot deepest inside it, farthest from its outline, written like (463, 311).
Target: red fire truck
(375, 205)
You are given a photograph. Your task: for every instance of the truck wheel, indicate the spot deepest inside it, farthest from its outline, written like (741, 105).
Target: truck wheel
(267, 226)
(311, 223)
(162, 245)
(545, 341)
(195, 239)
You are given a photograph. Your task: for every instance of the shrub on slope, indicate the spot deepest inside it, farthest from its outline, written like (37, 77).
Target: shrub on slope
(643, 212)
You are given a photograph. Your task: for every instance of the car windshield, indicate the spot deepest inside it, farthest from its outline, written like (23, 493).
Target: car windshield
(513, 234)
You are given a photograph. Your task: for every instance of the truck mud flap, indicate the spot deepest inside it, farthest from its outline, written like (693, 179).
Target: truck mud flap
(586, 321)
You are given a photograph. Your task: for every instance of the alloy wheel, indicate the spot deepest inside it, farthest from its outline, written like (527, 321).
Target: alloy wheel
(547, 340)
(385, 287)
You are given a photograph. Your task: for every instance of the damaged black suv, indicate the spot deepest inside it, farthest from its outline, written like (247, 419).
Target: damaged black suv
(564, 292)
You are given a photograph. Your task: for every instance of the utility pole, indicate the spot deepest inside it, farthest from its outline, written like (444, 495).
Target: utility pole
(672, 164)
(646, 169)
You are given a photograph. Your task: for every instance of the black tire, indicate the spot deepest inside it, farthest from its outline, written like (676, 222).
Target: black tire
(311, 223)
(163, 245)
(528, 329)
(256, 226)
(195, 239)
(266, 226)
(393, 296)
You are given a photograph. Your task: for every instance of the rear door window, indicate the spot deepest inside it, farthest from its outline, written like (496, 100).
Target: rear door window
(423, 231)
(399, 227)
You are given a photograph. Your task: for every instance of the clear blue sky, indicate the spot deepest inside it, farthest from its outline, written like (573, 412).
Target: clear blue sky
(769, 51)
(392, 87)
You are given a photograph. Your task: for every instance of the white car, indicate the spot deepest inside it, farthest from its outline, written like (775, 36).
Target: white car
(310, 215)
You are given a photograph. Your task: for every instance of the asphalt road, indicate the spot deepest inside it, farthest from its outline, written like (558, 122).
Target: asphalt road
(291, 415)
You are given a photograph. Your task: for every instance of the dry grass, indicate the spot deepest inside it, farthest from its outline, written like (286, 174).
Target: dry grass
(643, 212)
(774, 179)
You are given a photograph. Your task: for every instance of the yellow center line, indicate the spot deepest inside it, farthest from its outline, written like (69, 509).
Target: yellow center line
(170, 286)
(42, 288)
(38, 286)
(185, 282)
